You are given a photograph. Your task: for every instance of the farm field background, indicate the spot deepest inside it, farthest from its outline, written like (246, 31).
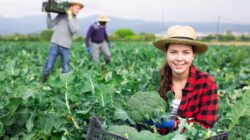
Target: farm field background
(61, 107)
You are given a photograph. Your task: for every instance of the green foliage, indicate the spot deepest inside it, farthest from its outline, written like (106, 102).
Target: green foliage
(209, 38)
(143, 105)
(228, 36)
(78, 38)
(148, 36)
(244, 37)
(61, 107)
(46, 35)
(20, 37)
(239, 110)
(114, 37)
(134, 38)
(237, 117)
(122, 115)
(122, 33)
(68, 100)
(129, 35)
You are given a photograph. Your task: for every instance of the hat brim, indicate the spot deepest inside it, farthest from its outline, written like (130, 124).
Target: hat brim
(103, 20)
(164, 42)
(77, 3)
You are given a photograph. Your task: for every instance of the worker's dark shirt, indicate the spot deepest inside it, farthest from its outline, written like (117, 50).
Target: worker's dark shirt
(96, 34)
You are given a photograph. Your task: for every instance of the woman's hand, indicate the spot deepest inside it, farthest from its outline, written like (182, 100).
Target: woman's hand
(166, 124)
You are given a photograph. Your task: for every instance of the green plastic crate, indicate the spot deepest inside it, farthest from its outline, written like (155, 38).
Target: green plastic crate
(95, 132)
(55, 6)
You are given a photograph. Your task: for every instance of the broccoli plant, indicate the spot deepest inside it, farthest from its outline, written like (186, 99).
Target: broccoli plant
(144, 106)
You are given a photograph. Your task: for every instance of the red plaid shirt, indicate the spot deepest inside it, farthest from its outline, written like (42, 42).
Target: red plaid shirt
(199, 99)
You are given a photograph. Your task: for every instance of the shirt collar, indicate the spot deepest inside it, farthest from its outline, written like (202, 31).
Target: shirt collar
(99, 25)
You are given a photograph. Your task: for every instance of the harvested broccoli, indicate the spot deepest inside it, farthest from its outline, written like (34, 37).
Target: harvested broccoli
(132, 134)
(147, 135)
(144, 135)
(122, 130)
(142, 106)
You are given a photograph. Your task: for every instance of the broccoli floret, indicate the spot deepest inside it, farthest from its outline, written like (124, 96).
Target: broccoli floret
(122, 130)
(143, 105)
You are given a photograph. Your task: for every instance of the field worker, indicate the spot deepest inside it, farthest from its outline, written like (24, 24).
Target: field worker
(97, 39)
(65, 26)
(195, 91)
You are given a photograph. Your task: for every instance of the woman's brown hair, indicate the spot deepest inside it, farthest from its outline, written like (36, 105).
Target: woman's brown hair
(165, 73)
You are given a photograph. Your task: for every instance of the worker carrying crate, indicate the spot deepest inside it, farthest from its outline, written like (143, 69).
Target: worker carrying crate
(65, 26)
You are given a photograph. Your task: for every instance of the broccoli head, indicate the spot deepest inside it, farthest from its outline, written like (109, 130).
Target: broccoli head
(142, 106)
(147, 135)
(122, 130)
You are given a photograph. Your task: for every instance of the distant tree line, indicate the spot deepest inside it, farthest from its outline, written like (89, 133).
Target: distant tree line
(123, 34)
(228, 36)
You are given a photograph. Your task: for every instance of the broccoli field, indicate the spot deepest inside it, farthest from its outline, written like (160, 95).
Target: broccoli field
(61, 107)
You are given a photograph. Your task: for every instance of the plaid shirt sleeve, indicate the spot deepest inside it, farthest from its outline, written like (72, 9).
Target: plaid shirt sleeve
(207, 115)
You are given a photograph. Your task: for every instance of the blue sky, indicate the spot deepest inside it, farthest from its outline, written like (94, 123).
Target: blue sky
(229, 11)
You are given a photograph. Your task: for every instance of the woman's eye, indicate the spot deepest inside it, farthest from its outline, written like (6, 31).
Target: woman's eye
(186, 52)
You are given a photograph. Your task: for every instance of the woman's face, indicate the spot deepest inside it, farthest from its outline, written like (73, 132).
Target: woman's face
(179, 58)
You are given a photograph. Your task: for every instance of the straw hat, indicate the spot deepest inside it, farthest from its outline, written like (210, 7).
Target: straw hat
(76, 2)
(103, 18)
(180, 35)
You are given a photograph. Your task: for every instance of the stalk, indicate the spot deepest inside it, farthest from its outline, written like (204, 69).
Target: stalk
(68, 107)
(92, 85)
(102, 99)
(112, 99)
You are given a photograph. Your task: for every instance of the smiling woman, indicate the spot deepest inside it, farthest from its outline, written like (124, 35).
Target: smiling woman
(195, 91)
